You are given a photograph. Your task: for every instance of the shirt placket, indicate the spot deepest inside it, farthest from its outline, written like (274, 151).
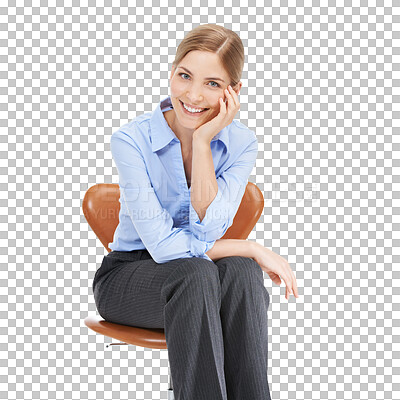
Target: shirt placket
(183, 187)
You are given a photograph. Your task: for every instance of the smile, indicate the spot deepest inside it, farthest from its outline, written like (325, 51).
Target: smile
(195, 113)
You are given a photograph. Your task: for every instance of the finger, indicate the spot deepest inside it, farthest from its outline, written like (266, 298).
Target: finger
(222, 105)
(288, 292)
(287, 279)
(231, 101)
(290, 277)
(234, 96)
(296, 290)
(294, 284)
(275, 278)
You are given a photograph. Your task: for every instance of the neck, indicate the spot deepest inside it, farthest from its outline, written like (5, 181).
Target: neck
(185, 135)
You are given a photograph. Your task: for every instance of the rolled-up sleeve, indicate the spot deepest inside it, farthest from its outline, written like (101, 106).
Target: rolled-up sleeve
(231, 187)
(152, 222)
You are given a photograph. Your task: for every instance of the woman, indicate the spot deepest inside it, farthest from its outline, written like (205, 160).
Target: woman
(183, 170)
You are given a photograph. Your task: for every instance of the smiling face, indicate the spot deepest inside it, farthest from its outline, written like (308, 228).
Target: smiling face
(198, 81)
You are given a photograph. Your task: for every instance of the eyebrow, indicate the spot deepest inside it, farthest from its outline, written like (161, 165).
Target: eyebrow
(215, 79)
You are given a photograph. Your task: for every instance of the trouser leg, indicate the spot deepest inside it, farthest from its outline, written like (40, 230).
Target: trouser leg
(182, 296)
(192, 298)
(244, 305)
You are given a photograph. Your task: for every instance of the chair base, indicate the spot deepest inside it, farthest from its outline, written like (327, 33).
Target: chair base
(171, 394)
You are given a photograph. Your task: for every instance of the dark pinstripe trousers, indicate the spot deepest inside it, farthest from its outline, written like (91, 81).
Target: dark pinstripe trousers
(214, 315)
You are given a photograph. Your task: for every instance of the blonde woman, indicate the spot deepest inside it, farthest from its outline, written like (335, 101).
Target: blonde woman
(183, 170)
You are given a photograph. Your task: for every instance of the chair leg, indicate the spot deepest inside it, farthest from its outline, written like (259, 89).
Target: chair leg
(117, 344)
(170, 385)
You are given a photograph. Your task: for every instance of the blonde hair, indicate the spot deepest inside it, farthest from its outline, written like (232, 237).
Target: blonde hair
(219, 40)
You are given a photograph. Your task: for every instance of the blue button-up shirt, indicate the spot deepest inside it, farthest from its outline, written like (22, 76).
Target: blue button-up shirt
(156, 212)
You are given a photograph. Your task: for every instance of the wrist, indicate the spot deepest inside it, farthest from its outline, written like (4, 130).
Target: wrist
(198, 139)
(254, 249)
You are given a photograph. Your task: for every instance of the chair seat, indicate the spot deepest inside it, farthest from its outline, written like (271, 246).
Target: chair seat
(144, 337)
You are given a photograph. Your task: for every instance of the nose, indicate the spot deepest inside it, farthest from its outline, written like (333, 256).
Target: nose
(195, 96)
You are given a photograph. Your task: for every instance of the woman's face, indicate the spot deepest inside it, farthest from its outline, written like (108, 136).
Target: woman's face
(191, 84)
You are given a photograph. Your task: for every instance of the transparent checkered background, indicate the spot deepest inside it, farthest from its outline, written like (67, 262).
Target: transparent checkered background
(321, 90)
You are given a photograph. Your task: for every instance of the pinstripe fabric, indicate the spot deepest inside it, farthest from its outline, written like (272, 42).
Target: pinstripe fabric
(214, 315)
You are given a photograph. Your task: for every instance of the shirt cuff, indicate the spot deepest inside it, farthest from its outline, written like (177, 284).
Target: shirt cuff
(198, 248)
(217, 214)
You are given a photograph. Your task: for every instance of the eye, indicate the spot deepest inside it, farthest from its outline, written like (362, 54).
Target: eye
(183, 73)
(215, 83)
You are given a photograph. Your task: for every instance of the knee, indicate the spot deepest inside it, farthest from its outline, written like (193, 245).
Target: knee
(196, 273)
(244, 269)
(201, 271)
(245, 275)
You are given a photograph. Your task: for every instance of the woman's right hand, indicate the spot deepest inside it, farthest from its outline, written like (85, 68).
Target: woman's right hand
(276, 266)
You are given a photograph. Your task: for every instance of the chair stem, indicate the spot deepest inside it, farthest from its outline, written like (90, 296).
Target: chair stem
(170, 386)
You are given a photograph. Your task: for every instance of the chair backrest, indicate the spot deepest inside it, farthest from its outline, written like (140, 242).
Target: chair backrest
(101, 209)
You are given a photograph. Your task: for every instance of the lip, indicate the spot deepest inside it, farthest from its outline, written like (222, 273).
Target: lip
(192, 114)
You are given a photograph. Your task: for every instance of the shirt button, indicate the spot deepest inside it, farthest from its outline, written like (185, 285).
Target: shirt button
(185, 218)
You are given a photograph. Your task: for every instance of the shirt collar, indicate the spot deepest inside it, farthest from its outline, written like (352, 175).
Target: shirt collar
(161, 134)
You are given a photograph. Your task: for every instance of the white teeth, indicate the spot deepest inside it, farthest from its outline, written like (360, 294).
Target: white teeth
(192, 110)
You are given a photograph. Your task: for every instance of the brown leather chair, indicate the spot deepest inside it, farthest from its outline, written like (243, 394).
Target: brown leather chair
(101, 209)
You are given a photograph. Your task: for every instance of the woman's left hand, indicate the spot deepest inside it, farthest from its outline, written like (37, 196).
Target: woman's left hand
(226, 114)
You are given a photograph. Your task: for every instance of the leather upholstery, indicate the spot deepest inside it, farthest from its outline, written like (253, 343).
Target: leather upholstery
(151, 338)
(101, 209)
